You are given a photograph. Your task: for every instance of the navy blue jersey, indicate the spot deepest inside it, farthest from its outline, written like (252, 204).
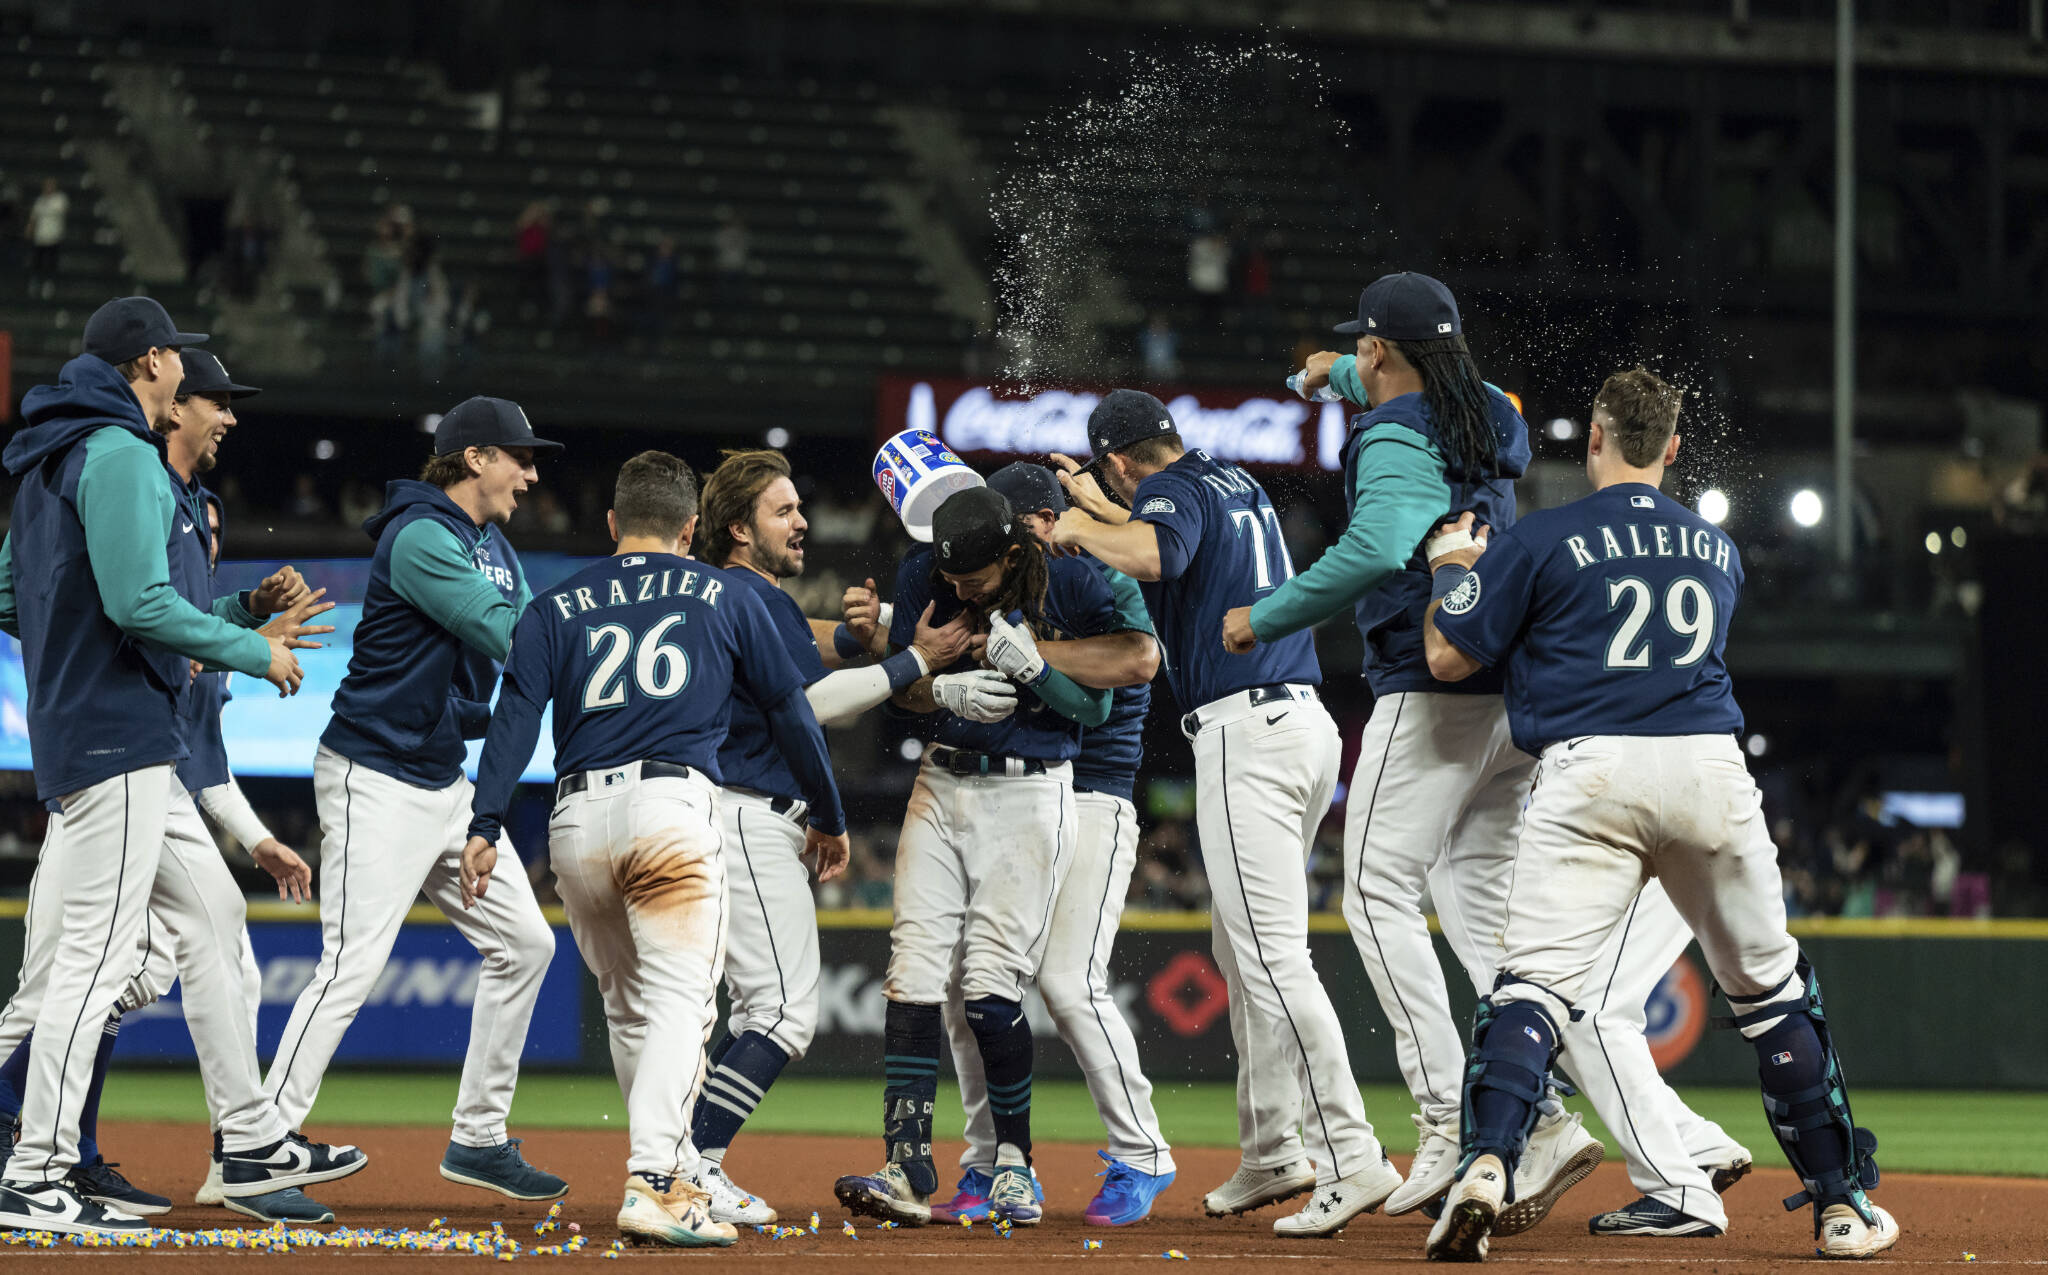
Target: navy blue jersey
(1610, 615)
(1078, 604)
(641, 654)
(750, 758)
(1110, 753)
(1219, 547)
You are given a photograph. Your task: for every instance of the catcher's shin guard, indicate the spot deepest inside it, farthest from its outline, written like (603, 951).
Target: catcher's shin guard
(1507, 1077)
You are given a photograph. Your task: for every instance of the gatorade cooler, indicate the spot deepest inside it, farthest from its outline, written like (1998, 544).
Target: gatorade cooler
(916, 472)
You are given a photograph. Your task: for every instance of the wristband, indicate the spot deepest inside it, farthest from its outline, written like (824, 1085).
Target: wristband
(846, 645)
(903, 668)
(1445, 581)
(1449, 542)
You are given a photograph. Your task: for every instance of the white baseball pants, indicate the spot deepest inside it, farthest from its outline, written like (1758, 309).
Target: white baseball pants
(1073, 980)
(643, 881)
(382, 842)
(771, 957)
(1264, 776)
(978, 868)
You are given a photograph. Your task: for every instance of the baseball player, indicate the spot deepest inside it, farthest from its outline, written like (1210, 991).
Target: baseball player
(754, 527)
(986, 840)
(1073, 976)
(642, 654)
(1610, 616)
(445, 590)
(100, 579)
(1201, 537)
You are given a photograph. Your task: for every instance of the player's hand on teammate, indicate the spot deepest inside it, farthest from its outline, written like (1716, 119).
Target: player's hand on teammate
(277, 592)
(979, 695)
(826, 853)
(1068, 530)
(1084, 492)
(1012, 650)
(867, 617)
(1456, 544)
(940, 645)
(294, 878)
(291, 624)
(1238, 638)
(479, 860)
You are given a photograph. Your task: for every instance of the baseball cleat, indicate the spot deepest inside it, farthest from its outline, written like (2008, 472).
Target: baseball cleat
(1434, 1168)
(1559, 1156)
(1728, 1172)
(287, 1205)
(1251, 1188)
(1648, 1217)
(58, 1208)
(102, 1183)
(1126, 1195)
(885, 1194)
(290, 1161)
(1460, 1235)
(970, 1198)
(728, 1202)
(660, 1209)
(501, 1169)
(1331, 1208)
(1013, 1197)
(1844, 1233)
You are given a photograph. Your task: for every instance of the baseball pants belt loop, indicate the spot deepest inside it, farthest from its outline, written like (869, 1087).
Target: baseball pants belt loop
(583, 780)
(1218, 712)
(788, 807)
(960, 761)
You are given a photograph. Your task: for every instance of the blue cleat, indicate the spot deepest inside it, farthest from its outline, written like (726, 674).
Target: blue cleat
(1126, 1195)
(1014, 1196)
(501, 1169)
(288, 1205)
(970, 1199)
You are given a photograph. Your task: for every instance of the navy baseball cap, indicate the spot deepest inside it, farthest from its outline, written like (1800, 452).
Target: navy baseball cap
(205, 375)
(130, 327)
(971, 529)
(487, 422)
(1405, 307)
(1029, 488)
(1124, 417)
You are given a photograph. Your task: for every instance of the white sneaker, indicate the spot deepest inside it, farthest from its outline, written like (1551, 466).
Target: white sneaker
(1460, 1235)
(209, 1191)
(885, 1194)
(1843, 1233)
(1559, 1156)
(728, 1202)
(1330, 1208)
(1434, 1169)
(1251, 1188)
(664, 1210)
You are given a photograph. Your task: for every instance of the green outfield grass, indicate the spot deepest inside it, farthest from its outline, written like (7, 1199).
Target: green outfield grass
(1921, 1130)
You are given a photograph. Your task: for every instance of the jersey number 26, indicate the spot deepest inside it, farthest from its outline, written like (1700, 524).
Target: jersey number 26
(1688, 614)
(660, 669)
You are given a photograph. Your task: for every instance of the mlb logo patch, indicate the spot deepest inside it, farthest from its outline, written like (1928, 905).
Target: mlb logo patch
(1533, 1034)
(1782, 1059)
(1443, 329)
(614, 777)
(1642, 502)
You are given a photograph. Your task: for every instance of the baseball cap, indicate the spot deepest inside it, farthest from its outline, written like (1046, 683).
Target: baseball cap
(971, 529)
(1029, 488)
(487, 422)
(1405, 307)
(129, 327)
(205, 375)
(1124, 417)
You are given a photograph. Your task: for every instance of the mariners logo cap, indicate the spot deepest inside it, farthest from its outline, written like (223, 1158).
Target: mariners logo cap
(1405, 307)
(1124, 417)
(204, 374)
(1029, 488)
(130, 327)
(487, 422)
(971, 529)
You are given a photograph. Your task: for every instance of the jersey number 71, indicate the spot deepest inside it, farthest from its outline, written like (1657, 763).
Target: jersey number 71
(1266, 556)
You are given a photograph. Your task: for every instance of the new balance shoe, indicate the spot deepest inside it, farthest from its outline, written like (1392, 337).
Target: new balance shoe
(728, 1202)
(885, 1194)
(660, 1209)
(1726, 1173)
(1559, 1156)
(502, 1169)
(287, 1205)
(1127, 1194)
(1250, 1188)
(58, 1208)
(1844, 1232)
(1434, 1168)
(102, 1183)
(1650, 1217)
(290, 1161)
(1461, 1234)
(1331, 1208)
(970, 1198)
(1013, 1197)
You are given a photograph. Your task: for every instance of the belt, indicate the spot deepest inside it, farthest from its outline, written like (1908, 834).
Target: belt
(569, 785)
(959, 761)
(788, 807)
(1191, 723)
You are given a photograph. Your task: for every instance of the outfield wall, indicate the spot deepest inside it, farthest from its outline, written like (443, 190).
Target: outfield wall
(1915, 1004)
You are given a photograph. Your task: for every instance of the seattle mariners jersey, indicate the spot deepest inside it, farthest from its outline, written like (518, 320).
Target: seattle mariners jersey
(749, 758)
(1219, 547)
(1110, 753)
(1078, 604)
(641, 655)
(1611, 615)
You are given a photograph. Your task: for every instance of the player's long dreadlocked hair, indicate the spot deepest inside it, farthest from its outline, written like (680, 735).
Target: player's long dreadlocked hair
(1025, 579)
(1458, 401)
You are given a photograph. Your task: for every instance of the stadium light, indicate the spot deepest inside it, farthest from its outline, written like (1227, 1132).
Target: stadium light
(1806, 507)
(1758, 745)
(1563, 428)
(1714, 505)
(910, 750)
(1958, 537)
(777, 437)
(1933, 542)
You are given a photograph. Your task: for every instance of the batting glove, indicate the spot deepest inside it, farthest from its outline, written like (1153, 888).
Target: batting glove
(1013, 650)
(979, 695)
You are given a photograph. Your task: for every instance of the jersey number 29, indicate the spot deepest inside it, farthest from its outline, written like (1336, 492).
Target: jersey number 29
(1688, 614)
(660, 669)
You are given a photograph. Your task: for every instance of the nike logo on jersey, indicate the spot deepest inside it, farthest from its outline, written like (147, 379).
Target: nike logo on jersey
(1574, 743)
(1274, 718)
(187, 527)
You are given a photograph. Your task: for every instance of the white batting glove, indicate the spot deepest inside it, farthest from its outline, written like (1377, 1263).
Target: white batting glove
(1013, 650)
(979, 695)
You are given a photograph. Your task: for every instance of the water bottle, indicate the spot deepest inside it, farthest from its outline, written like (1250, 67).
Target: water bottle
(1324, 394)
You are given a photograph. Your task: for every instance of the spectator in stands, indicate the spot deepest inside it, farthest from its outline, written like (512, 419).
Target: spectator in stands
(428, 304)
(530, 247)
(731, 250)
(470, 323)
(383, 270)
(598, 305)
(1159, 349)
(45, 232)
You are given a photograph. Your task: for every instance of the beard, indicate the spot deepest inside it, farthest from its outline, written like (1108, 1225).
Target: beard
(205, 462)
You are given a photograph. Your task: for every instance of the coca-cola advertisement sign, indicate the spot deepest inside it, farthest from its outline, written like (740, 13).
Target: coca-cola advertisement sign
(1250, 427)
